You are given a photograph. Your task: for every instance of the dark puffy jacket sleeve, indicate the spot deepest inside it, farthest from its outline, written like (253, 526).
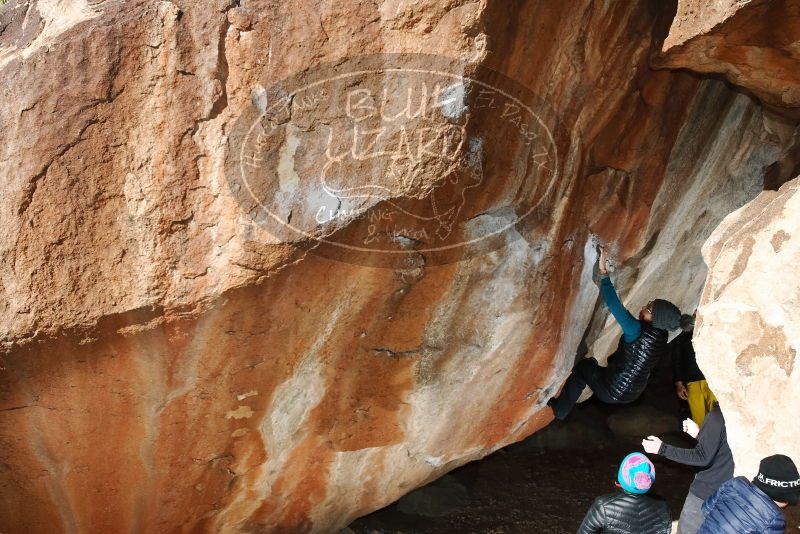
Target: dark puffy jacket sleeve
(711, 502)
(778, 526)
(595, 519)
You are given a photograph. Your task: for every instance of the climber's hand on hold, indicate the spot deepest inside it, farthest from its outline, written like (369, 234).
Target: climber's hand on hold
(651, 444)
(681, 391)
(691, 428)
(602, 260)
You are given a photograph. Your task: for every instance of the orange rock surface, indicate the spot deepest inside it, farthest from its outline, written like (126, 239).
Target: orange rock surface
(174, 361)
(753, 43)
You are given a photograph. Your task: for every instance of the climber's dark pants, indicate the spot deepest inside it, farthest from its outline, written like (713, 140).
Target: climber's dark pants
(587, 373)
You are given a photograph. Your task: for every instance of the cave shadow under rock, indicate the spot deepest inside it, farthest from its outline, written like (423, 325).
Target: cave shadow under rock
(545, 483)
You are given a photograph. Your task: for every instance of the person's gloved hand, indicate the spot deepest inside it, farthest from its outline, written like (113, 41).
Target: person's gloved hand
(691, 428)
(681, 391)
(651, 444)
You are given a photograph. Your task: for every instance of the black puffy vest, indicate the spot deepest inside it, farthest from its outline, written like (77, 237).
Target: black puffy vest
(630, 366)
(624, 513)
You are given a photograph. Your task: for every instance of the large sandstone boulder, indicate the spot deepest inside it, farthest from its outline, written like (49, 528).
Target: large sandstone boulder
(181, 356)
(747, 339)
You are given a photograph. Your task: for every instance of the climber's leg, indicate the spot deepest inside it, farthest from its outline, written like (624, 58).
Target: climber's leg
(587, 373)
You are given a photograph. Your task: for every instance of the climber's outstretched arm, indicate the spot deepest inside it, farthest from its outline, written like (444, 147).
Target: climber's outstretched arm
(631, 327)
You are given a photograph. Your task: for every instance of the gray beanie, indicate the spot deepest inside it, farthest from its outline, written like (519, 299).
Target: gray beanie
(667, 316)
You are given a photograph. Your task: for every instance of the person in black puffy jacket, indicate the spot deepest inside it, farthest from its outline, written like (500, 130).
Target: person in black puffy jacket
(743, 507)
(629, 511)
(641, 346)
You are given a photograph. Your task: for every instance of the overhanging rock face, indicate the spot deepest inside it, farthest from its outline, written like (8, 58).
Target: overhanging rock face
(241, 294)
(753, 43)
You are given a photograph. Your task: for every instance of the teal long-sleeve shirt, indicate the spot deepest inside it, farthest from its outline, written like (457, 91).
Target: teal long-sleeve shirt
(631, 327)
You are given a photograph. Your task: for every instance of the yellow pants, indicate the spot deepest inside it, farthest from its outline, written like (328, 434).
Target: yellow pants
(701, 399)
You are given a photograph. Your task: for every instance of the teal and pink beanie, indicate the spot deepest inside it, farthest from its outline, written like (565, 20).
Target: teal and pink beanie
(636, 473)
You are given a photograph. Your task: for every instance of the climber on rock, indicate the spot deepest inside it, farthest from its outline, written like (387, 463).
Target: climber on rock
(643, 342)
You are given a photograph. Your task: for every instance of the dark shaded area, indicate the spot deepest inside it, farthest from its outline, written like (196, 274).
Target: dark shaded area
(546, 483)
